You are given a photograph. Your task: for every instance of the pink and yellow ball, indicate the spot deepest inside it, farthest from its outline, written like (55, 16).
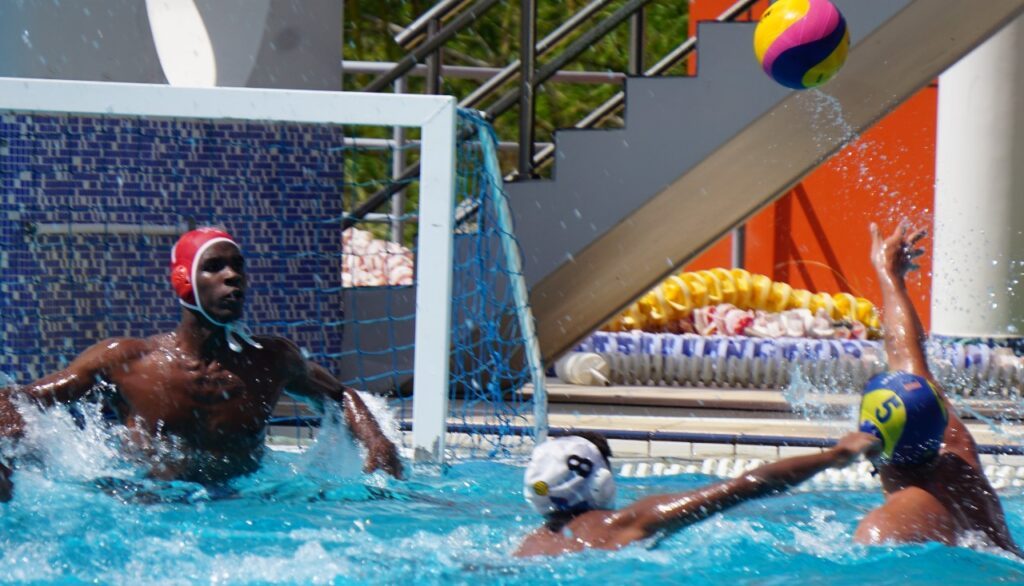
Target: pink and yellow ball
(801, 43)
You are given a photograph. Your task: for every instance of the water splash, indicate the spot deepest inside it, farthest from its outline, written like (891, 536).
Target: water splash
(864, 165)
(827, 397)
(79, 536)
(333, 455)
(825, 535)
(828, 117)
(71, 445)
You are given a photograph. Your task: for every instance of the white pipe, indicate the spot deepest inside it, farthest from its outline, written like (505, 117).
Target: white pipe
(388, 143)
(61, 229)
(481, 73)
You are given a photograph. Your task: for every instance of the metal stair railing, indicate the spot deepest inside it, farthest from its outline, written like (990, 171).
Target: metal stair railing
(382, 196)
(508, 72)
(415, 32)
(574, 50)
(546, 44)
(434, 42)
(432, 45)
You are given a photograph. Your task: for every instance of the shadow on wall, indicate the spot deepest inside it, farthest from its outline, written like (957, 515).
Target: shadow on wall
(242, 43)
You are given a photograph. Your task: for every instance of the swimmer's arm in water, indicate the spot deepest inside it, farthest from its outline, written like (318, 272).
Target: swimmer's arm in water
(381, 452)
(65, 386)
(74, 381)
(672, 512)
(11, 428)
(311, 381)
(893, 257)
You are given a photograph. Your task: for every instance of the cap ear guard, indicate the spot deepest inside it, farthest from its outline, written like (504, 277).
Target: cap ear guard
(603, 488)
(581, 466)
(181, 282)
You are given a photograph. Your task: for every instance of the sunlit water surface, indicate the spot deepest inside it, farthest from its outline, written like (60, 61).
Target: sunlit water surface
(81, 515)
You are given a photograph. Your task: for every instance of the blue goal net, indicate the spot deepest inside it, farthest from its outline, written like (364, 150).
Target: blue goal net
(494, 367)
(93, 203)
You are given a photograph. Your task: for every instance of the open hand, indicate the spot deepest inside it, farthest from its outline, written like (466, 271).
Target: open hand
(852, 445)
(894, 255)
(382, 455)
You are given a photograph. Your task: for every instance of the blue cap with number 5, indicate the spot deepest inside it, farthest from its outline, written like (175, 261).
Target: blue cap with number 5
(907, 413)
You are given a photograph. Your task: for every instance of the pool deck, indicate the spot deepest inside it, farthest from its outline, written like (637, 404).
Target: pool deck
(699, 423)
(676, 411)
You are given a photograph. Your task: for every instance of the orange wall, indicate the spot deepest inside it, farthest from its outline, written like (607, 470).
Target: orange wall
(816, 236)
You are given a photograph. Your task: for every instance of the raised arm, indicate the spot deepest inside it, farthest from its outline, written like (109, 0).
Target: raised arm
(671, 512)
(904, 336)
(312, 381)
(893, 257)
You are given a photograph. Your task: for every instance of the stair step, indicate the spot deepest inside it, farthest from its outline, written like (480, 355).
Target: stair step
(575, 151)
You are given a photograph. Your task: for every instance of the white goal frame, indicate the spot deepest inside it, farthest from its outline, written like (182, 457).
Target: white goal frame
(435, 116)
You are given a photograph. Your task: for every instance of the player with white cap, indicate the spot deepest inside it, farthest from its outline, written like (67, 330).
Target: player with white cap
(569, 481)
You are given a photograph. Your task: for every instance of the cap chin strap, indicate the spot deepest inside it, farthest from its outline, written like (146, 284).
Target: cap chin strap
(233, 331)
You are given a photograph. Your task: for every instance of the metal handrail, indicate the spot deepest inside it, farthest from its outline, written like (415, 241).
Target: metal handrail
(543, 155)
(574, 50)
(390, 143)
(433, 44)
(543, 46)
(527, 83)
(409, 34)
(485, 74)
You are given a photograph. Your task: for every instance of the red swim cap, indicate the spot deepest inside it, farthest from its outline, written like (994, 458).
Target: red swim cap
(186, 253)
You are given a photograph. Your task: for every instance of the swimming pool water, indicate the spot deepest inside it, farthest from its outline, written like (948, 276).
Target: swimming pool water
(299, 520)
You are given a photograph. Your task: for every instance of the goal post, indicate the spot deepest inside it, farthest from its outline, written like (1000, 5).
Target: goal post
(435, 116)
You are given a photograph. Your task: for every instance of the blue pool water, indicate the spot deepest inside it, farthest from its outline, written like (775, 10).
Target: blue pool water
(300, 521)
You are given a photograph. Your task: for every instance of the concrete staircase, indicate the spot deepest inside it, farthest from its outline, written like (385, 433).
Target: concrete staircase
(698, 155)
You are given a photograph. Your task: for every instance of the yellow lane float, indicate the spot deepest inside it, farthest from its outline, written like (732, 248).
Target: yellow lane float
(678, 295)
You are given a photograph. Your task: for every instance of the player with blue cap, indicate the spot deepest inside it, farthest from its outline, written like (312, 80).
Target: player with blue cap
(907, 413)
(934, 485)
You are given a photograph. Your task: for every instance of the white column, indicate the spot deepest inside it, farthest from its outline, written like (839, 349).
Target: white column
(978, 281)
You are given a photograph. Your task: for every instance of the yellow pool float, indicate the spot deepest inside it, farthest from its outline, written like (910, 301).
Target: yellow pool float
(678, 295)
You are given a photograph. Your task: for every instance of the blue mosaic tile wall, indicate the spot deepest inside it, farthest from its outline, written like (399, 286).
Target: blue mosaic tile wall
(277, 188)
